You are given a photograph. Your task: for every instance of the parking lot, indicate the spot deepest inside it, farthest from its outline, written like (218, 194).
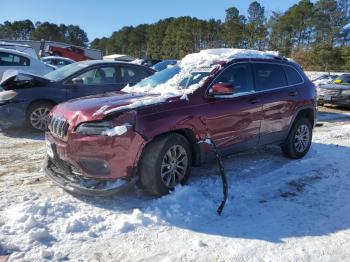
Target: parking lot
(277, 208)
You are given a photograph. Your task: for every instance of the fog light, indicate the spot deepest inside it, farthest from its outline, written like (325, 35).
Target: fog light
(95, 166)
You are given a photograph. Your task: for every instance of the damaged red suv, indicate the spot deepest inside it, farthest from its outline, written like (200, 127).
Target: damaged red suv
(153, 132)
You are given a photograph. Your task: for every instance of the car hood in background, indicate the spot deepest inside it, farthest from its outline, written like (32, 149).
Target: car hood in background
(16, 79)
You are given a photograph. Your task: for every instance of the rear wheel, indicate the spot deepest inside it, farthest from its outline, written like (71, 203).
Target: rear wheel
(299, 139)
(165, 163)
(38, 116)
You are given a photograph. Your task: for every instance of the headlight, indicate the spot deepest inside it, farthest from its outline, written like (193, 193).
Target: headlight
(7, 95)
(345, 92)
(102, 129)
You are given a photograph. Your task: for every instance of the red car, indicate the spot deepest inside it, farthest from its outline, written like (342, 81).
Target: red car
(72, 52)
(156, 131)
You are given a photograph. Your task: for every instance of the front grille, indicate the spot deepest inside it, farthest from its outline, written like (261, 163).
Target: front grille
(58, 126)
(329, 92)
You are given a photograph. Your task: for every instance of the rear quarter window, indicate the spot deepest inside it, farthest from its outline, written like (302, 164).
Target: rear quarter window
(269, 76)
(293, 77)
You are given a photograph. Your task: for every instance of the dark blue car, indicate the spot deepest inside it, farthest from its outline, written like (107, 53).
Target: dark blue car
(26, 99)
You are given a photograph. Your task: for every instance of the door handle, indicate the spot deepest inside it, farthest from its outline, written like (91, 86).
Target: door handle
(293, 93)
(253, 101)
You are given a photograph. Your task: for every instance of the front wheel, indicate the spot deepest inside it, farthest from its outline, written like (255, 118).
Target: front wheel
(38, 116)
(165, 163)
(299, 139)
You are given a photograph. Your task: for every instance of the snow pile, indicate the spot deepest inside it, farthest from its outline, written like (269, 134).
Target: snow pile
(204, 61)
(206, 58)
(278, 210)
(41, 222)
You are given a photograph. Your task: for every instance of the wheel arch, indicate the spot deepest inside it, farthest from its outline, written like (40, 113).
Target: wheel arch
(189, 135)
(38, 101)
(308, 112)
(43, 100)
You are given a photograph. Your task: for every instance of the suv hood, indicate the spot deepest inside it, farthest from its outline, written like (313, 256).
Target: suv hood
(93, 108)
(16, 79)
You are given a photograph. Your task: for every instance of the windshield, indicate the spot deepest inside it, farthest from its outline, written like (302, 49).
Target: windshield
(342, 80)
(163, 65)
(65, 71)
(173, 77)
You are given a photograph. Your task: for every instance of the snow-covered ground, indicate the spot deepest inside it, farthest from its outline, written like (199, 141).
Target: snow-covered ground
(278, 209)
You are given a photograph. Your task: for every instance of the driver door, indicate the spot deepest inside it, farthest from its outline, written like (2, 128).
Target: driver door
(234, 120)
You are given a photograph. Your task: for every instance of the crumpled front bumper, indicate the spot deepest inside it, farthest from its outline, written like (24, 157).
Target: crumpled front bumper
(62, 174)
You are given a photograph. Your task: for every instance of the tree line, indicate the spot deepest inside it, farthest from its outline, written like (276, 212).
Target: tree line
(27, 30)
(315, 34)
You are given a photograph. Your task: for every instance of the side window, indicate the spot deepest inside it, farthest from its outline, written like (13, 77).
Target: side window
(8, 59)
(239, 76)
(269, 76)
(62, 62)
(293, 76)
(53, 62)
(49, 61)
(99, 76)
(133, 74)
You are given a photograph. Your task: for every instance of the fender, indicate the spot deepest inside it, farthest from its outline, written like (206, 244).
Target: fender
(301, 109)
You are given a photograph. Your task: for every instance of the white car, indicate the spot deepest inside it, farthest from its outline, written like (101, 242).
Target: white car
(21, 48)
(57, 61)
(12, 59)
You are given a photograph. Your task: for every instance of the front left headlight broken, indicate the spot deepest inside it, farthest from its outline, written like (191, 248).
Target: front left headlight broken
(102, 129)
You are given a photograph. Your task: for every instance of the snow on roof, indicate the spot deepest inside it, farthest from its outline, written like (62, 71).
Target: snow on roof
(206, 59)
(119, 57)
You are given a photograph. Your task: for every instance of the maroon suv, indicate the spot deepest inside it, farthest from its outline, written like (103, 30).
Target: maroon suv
(154, 132)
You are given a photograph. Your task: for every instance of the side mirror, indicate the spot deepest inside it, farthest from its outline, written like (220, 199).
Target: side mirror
(77, 81)
(222, 89)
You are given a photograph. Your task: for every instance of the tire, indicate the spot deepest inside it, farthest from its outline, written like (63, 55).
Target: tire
(157, 180)
(299, 140)
(37, 116)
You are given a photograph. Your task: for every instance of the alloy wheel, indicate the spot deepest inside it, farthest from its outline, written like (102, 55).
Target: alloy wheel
(39, 118)
(174, 166)
(302, 138)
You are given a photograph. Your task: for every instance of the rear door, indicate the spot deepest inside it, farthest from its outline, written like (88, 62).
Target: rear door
(234, 121)
(96, 80)
(278, 94)
(131, 74)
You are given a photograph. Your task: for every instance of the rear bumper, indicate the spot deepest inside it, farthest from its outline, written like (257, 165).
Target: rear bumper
(12, 115)
(61, 174)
